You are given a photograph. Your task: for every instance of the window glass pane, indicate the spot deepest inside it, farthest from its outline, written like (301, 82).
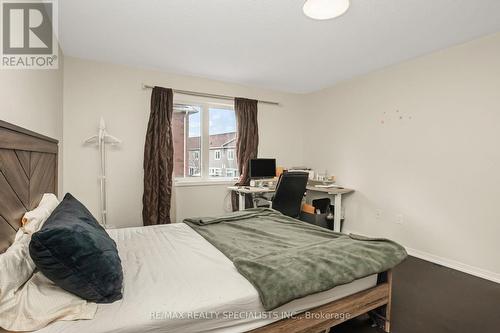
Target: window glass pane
(186, 130)
(222, 142)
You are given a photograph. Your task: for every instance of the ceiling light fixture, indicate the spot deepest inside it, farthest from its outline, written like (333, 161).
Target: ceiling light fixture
(325, 9)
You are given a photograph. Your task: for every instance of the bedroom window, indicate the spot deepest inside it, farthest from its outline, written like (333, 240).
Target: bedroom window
(204, 137)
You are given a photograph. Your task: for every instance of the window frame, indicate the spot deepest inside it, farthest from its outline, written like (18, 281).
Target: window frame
(204, 152)
(217, 154)
(230, 154)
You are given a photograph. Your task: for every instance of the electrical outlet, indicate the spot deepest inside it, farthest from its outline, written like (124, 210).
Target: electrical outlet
(400, 219)
(378, 214)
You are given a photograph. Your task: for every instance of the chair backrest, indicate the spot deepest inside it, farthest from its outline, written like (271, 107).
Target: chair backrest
(290, 192)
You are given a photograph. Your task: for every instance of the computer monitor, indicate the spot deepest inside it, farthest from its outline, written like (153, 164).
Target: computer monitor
(261, 168)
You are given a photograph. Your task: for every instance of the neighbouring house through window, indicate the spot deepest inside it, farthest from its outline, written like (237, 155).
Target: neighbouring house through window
(204, 141)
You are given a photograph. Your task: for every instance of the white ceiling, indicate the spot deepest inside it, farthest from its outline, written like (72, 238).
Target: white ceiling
(268, 43)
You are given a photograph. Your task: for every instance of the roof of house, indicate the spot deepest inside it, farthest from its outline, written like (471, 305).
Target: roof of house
(222, 140)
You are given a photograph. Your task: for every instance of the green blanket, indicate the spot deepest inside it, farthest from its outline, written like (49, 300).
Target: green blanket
(287, 259)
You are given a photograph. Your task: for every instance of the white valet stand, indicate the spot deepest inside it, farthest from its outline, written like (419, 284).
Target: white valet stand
(101, 140)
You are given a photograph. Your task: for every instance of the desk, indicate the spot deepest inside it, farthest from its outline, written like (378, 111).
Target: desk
(332, 191)
(337, 193)
(242, 190)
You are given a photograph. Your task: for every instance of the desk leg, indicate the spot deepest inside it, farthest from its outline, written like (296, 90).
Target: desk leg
(241, 203)
(338, 212)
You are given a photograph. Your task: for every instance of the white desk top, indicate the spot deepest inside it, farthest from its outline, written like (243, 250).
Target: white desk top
(251, 189)
(330, 190)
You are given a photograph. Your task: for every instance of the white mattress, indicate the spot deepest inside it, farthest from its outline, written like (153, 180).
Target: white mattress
(171, 271)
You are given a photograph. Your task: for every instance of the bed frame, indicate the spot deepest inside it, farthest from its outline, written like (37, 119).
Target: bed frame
(375, 301)
(28, 168)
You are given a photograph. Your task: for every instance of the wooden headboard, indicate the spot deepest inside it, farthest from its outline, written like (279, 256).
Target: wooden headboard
(28, 169)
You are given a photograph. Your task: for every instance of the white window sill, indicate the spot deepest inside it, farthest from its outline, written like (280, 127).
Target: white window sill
(204, 182)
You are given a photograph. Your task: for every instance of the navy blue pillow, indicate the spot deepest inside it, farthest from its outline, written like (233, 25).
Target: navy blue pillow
(77, 254)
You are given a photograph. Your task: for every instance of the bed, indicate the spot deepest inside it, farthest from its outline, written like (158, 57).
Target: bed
(164, 291)
(193, 278)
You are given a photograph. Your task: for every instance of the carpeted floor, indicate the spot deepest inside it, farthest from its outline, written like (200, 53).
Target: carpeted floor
(428, 298)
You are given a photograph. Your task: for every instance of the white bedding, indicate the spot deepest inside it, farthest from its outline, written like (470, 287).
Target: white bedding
(29, 300)
(171, 271)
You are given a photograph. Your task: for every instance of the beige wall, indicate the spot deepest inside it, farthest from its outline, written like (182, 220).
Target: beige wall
(420, 140)
(33, 99)
(94, 89)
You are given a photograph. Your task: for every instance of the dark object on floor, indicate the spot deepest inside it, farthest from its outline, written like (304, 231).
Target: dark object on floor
(428, 298)
(321, 204)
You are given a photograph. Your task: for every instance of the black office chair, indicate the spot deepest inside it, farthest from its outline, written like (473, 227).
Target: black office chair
(289, 193)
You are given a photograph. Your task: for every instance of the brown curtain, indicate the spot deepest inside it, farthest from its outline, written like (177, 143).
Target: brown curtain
(247, 141)
(158, 159)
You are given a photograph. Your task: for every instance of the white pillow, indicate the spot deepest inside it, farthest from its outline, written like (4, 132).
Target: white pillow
(34, 219)
(16, 266)
(40, 302)
(15, 263)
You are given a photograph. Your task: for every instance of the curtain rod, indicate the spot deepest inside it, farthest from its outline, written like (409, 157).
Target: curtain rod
(199, 94)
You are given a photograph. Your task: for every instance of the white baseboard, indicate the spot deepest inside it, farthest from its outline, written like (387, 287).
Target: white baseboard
(476, 271)
(453, 264)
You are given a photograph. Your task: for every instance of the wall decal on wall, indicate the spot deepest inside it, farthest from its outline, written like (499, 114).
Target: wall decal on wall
(394, 115)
